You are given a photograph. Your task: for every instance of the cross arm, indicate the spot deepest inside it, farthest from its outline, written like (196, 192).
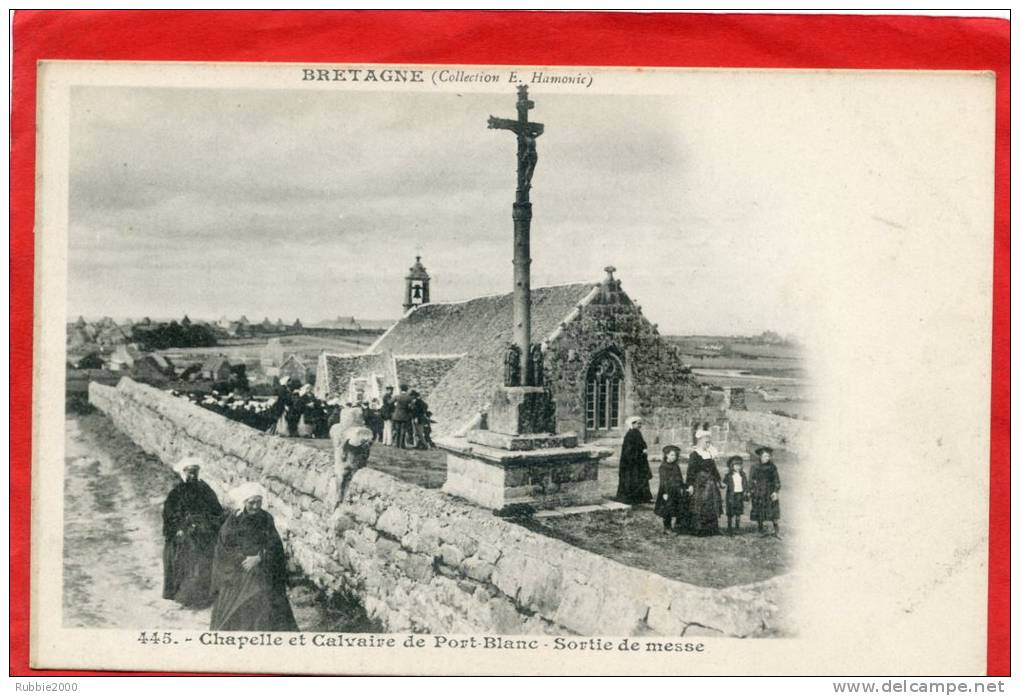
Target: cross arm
(532, 129)
(504, 124)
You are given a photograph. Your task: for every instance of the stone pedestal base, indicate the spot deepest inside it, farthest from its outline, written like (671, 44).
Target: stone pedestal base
(505, 479)
(532, 441)
(521, 411)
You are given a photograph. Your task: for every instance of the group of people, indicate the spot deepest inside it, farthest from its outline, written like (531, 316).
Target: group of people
(692, 498)
(297, 412)
(253, 412)
(230, 559)
(404, 420)
(401, 420)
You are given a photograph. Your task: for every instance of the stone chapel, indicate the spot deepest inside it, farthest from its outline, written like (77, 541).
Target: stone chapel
(603, 360)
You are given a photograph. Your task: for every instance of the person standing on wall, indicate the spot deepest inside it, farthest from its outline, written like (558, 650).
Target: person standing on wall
(352, 455)
(386, 413)
(401, 417)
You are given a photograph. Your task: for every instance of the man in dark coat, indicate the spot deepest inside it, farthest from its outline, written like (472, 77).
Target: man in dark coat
(249, 570)
(765, 491)
(191, 520)
(280, 406)
(634, 470)
(420, 417)
(373, 419)
(401, 417)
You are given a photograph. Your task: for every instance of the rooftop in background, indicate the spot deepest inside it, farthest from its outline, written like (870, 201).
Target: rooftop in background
(352, 323)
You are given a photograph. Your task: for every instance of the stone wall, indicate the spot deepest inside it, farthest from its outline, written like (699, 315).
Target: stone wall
(676, 426)
(733, 430)
(420, 560)
(759, 428)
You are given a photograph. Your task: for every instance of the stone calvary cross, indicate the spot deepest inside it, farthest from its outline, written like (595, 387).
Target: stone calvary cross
(512, 460)
(527, 157)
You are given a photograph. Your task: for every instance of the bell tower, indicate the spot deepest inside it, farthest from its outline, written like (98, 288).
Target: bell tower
(417, 292)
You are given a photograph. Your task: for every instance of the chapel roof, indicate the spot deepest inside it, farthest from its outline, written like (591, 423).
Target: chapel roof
(479, 325)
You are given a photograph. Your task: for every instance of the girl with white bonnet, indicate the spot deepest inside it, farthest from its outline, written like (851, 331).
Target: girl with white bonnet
(250, 569)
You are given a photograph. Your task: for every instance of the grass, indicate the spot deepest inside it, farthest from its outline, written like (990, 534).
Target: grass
(425, 468)
(635, 538)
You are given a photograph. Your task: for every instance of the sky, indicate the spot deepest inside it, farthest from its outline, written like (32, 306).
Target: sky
(313, 204)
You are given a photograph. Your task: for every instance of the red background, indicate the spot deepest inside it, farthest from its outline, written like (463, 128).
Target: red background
(496, 38)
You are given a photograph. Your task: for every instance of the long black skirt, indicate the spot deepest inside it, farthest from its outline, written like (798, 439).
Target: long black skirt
(187, 571)
(248, 603)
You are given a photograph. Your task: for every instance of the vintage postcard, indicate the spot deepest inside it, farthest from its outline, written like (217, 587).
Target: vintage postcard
(355, 368)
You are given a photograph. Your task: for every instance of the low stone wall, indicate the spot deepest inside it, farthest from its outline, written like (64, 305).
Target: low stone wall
(733, 430)
(781, 432)
(420, 560)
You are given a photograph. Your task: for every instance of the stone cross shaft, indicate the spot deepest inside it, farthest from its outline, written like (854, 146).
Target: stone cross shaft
(527, 157)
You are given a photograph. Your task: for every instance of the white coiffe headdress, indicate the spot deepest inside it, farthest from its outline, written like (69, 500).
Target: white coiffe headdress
(187, 462)
(246, 491)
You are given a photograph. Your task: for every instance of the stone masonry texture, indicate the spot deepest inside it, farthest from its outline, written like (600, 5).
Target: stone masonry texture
(422, 561)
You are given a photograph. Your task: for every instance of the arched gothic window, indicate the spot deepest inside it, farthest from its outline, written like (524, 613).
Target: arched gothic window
(603, 393)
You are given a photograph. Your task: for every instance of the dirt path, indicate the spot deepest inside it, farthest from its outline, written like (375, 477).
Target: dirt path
(113, 541)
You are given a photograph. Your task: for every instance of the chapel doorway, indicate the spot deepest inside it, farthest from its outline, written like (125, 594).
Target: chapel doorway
(603, 395)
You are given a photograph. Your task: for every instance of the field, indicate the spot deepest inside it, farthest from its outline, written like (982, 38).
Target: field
(303, 345)
(772, 375)
(251, 351)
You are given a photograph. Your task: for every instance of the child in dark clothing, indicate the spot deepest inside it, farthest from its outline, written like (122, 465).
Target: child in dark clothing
(765, 487)
(736, 488)
(670, 502)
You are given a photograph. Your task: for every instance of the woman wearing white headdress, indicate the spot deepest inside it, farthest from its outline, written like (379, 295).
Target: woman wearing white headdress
(635, 473)
(191, 520)
(250, 569)
(704, 485)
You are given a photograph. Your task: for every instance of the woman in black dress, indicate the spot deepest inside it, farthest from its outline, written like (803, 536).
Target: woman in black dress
(249, 574)
(634, 470)
(191, 518)
(703, 484)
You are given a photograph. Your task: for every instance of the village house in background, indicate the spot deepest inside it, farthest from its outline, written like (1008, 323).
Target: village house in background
(196, 355)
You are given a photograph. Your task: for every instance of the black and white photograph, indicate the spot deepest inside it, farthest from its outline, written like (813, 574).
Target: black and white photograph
(512, 362)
